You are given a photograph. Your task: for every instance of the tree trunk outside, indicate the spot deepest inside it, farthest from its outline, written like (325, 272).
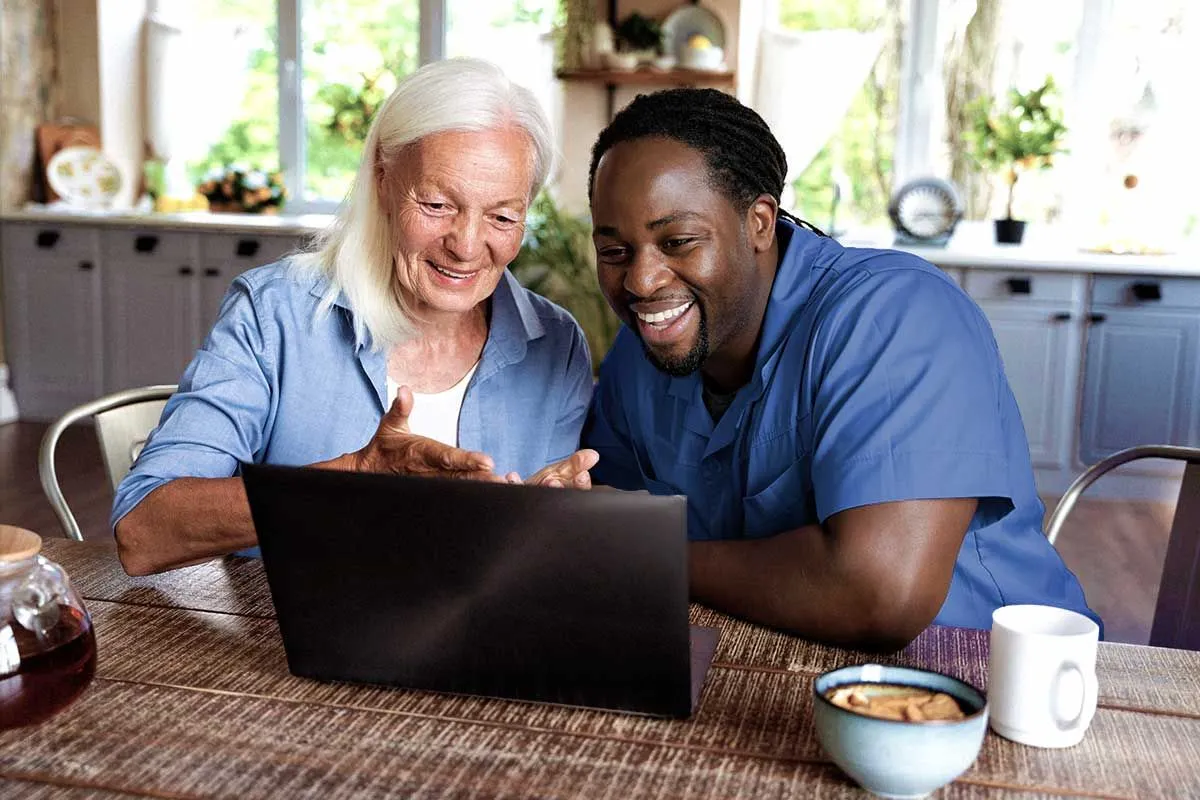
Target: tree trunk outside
(969, 69)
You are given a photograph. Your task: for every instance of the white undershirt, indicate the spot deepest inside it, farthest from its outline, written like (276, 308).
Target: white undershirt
(435, 416)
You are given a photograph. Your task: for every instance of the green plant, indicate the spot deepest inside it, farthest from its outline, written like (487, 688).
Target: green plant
(557, 261)
(352, 108)
(640, 33)
(1026, 135)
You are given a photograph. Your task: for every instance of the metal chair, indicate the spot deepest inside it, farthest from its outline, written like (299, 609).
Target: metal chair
(1177, 610)
(123, 421)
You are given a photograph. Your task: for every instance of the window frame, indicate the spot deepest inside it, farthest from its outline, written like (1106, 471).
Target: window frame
(292, 140)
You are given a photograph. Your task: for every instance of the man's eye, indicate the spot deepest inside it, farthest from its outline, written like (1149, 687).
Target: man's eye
(506, 221)
(435, 206)
(677, 242)
(612, 254)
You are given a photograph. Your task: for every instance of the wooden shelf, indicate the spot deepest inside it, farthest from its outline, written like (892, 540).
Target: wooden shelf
(647, 77)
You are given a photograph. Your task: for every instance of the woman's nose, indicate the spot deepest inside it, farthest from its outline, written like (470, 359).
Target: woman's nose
(465, 240)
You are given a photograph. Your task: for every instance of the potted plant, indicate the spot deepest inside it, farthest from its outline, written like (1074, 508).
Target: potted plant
(557, 260)
(1026, 135)
(244, 191)
(640, 36)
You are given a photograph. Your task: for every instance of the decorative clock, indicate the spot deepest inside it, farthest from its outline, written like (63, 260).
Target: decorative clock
(925, 211)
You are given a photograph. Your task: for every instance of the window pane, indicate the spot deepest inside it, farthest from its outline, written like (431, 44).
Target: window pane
(993, 46)
(514, 34)
(1148, 67)
(251, 137)
(858, 156)
(353, 52)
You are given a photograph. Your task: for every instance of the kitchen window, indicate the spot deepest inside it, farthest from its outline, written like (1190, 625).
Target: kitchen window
(317, 69)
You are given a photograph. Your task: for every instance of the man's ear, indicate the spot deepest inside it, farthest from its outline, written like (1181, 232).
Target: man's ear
(760, 222)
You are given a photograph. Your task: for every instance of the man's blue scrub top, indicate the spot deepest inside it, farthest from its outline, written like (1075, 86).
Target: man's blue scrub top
(877, 379)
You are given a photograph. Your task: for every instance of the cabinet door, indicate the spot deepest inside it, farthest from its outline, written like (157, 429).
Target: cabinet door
(55, 344)
(225, 256)
(150, 318)
(1036, 346)
(1140, 381)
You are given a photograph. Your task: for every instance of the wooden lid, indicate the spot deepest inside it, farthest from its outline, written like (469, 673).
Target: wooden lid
(18, 544)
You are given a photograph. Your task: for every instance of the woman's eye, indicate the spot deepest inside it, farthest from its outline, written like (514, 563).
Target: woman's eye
(506, 221)
(434, 206)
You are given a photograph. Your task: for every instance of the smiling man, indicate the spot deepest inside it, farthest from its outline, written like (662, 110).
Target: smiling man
(853, 457)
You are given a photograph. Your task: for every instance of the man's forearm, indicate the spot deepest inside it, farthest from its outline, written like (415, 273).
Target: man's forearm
(799, 582)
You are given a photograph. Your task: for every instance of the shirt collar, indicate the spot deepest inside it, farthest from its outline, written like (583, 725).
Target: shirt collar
(515, 322)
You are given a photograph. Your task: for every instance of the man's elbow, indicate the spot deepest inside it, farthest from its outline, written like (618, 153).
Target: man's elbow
(893, 614)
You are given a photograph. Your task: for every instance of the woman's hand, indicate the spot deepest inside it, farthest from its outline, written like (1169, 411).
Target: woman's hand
(396, 449)
(571, 471)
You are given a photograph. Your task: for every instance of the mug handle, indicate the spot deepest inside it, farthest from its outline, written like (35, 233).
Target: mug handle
(1087, 704)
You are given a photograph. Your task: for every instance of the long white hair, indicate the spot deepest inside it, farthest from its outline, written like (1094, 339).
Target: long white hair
(356, 252)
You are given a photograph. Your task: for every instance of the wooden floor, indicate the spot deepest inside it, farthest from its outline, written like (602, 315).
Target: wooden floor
(1116, 548)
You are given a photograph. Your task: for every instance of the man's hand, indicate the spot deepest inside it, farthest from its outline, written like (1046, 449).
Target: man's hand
(396, 449)
(571, 471)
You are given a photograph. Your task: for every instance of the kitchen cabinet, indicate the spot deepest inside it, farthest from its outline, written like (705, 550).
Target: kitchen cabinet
(1035, 319)
(1141, 373)
(151, 306)
(94, 309)
(52, 281)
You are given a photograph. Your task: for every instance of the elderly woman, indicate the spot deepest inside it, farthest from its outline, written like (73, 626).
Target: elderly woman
(401, 344)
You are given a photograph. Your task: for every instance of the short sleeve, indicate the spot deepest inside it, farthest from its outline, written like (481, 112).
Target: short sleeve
(607, 428)
(218, 416)
(906, 403)
(577, 392)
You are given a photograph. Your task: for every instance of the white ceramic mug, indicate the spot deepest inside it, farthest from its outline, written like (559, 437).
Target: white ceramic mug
(1042, 675)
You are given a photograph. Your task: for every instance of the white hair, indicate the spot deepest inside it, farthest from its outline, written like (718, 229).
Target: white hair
(356, 252)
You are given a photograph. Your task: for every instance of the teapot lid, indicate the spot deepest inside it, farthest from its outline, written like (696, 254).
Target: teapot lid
(18, 544)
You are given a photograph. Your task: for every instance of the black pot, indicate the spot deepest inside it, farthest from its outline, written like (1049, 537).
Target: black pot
(1010, 231)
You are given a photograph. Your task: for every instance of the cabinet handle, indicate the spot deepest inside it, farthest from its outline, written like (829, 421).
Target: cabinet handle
(47, 239)
(212, 272)
(1096, 319)
(86, 266)
(246, 247)
(1019, 286)
(1062, 316)
(185, 271)
(145, 243)
(1150, 290)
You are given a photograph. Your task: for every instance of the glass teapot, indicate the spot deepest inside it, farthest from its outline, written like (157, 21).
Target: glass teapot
(47, 647)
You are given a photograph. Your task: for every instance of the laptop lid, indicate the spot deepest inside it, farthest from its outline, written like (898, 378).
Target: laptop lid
(531, 593)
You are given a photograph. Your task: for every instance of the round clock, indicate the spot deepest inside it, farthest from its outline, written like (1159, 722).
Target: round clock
(925, 211)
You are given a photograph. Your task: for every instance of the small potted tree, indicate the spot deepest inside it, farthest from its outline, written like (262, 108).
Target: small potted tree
(1026, 135)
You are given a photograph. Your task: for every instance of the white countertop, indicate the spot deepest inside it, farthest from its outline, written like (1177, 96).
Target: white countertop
(278, 224)
(971, 248)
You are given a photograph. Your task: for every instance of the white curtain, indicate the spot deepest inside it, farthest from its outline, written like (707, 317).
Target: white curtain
(806, 82)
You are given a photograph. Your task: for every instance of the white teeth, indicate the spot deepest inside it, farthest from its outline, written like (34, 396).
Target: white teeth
(449, 274)
(663, 316)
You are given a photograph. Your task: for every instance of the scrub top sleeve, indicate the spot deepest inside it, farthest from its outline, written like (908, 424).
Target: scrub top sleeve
(907, 384)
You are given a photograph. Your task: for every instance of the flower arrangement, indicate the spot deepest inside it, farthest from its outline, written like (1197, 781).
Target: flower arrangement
(241, 190)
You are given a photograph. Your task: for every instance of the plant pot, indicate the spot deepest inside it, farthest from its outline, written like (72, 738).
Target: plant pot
(1010, 231)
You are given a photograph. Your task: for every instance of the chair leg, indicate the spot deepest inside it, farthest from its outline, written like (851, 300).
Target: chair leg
(1177, 612)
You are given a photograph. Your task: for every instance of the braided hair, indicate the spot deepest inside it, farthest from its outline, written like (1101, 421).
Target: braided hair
(745, 160)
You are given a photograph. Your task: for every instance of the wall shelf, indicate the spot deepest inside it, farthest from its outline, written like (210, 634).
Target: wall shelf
(647, 77)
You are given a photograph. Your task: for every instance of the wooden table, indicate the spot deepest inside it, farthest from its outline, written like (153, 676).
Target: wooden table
(193, 699)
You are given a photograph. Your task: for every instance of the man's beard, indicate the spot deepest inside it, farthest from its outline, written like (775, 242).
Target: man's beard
(689, 362)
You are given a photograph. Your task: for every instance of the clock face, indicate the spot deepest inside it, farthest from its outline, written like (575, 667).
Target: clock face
(926, 209)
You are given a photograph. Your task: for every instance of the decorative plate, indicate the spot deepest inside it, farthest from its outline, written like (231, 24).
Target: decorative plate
(83, 176)
(687, 21)
(926, 210)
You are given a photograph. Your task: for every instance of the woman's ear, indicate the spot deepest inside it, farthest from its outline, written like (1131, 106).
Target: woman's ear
(760, 222)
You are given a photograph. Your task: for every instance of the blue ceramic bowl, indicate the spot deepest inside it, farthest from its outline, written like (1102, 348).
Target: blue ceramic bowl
(893, 758)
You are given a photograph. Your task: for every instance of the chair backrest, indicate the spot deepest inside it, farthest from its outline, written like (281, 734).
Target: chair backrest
(123, 421)
(1177, 610)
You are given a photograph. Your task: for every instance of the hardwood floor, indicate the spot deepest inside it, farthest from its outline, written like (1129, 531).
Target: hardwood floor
(1116, 548)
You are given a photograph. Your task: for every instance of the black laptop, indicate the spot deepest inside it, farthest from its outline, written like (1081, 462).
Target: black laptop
(550, 595)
